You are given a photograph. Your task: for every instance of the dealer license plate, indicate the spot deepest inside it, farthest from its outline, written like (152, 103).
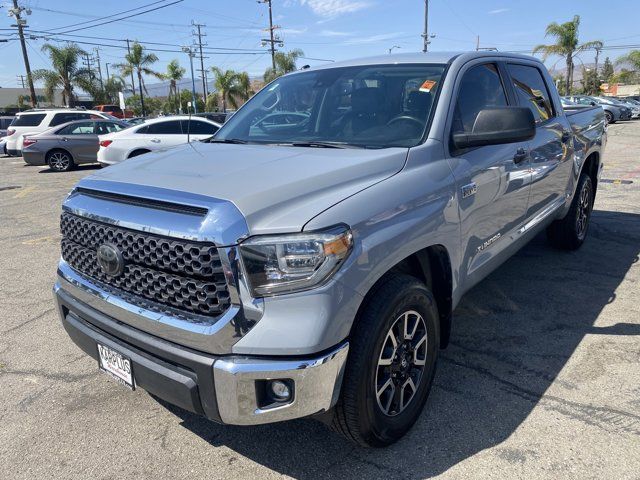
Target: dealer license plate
(116, 365)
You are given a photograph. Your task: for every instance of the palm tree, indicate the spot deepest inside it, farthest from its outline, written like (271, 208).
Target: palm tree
(285, 63)
(245, 86)
(139, 62)
(567, 45)
(65, 74)
(228, 85)
(174, 74)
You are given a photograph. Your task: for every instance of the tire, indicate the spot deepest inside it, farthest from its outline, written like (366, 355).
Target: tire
(60, 161)
(362, 415)
(137, 153)
(570, 232)
(609, 117)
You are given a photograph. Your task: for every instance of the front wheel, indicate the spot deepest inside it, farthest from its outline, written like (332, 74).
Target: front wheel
(609, 117)
(570, 232)
(392, 360)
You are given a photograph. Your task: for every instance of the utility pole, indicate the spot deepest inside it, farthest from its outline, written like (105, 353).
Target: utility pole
(21, 78)
(97, 50)
(200, 44)
(425, 35)
(477, 42)
(21, 23)
(107, 66)
(191, 54)
(133, 85)
(272, 40)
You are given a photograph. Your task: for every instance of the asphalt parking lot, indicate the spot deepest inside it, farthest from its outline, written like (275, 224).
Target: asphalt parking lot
(542, 377)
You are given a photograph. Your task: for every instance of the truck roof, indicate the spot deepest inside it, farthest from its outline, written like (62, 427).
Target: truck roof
(421, 57)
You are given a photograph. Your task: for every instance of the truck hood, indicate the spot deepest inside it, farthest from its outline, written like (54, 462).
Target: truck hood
(277, 188)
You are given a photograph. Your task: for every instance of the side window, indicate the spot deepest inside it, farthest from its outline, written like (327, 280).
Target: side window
(199, 128)
(113, 127)
(480, 88)
(531, 91)
(170, 127)
(28, 120)
(144, 129)
(60, 118)
(77, 129)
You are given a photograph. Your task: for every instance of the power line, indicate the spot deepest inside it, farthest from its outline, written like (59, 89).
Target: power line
(98, 18)
(129, 16)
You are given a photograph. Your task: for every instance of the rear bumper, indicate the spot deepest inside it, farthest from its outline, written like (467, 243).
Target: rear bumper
(14, 153)
(226, 389)
(34, 158)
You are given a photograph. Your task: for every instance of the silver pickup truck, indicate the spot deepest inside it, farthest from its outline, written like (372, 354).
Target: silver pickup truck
(306, 260)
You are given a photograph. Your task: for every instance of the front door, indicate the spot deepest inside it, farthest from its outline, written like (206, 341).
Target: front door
(492, 181)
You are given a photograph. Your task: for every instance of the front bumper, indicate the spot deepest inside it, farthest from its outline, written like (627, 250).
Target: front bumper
(222, 388)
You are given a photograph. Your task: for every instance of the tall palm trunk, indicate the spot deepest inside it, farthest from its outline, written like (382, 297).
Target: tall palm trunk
(141, 96)
(224, 101)
(569, 74)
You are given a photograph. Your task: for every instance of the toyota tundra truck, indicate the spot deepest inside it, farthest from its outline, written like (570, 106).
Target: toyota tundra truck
(306, 260)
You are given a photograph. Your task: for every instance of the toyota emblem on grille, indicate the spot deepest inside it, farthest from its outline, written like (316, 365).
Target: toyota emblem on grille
(110, 260)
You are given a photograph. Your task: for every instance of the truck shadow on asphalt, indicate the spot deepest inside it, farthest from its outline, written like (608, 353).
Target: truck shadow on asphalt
(512, 335)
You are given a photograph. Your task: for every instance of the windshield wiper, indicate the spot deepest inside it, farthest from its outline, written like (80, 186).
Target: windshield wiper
(320, 144)
(236, 141)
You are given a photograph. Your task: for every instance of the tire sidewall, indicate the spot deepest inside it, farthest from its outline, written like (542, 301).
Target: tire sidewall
(584, 183)
(69, 167)
(375, 425)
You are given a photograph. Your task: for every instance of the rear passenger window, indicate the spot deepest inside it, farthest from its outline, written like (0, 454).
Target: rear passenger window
(28, 120)
(199, 128)
(480, 88)
(170, 127)
(532, 91)
(60, 118)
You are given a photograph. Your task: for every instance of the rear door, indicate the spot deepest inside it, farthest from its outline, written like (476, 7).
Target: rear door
(80, 140)
(551, 149)
(493, 180)
(165, 134)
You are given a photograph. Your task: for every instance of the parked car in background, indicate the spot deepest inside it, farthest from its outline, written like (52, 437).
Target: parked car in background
(218, 117)
(612, 112)
(136, 120)
(4, 125)
(115, 111)
(38, 120)
(156, 134)
(629, 103)
(69, 144)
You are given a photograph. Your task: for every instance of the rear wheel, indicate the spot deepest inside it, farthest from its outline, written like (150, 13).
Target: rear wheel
(392, 359)
(609, 117)
(60, 161)
(570, 232)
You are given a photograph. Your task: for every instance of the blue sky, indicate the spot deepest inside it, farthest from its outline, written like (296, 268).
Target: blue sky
(323, 29)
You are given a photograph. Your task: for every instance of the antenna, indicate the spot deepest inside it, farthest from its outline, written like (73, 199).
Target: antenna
(189, 124)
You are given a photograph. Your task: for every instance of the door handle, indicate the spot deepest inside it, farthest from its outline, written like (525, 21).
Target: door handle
(155, 140)
(64, 139)
(565, 136)
(520, 155)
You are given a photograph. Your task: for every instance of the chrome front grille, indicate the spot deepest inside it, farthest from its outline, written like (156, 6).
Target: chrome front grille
(168, 275)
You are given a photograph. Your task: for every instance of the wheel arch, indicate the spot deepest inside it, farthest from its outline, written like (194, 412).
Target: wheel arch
(431, 265)
(591, 167)
(138, 151)
(58, 149)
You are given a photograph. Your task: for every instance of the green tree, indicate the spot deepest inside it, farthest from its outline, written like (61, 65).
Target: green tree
(567, 45)
(139, 63)
(152, 105)
(185, 98)
(212, 103)
(607, 70)
(246, 92)
(590, 82)
(65, 75)
(631, 59)
(227, 83)
(174, 74)
(285, 63)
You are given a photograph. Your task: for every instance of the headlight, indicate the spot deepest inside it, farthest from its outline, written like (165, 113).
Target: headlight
(289, 263)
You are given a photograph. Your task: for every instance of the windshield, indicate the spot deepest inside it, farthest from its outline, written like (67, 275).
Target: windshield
(373, 106)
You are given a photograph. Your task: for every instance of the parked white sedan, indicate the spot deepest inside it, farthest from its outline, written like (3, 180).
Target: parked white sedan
(152, 135)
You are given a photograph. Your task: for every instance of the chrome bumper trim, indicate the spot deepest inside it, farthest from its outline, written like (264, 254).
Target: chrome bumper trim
(317, 384)
(211, 335)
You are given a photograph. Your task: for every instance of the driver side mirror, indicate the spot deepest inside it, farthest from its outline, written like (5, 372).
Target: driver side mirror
(592, 103)
(495, 126)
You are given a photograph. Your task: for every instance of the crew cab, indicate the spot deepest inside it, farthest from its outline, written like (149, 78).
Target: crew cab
(307, 259)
